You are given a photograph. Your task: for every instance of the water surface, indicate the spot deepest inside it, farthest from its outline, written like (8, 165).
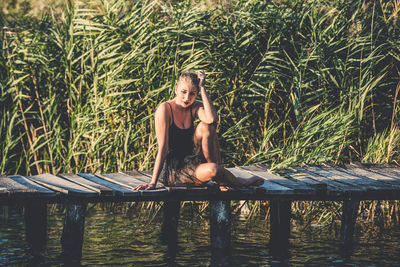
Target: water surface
(117, 237)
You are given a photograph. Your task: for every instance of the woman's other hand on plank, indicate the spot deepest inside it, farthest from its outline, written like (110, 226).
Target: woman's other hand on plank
(145, 187)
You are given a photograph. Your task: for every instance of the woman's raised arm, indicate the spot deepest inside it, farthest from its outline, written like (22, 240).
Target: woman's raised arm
(206, 112)
(162, 119)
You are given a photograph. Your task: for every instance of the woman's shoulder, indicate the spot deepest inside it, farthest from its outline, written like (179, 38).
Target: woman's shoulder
(163, 110)
(164, 106)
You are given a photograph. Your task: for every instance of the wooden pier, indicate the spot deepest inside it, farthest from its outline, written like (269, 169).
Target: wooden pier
(347, 183)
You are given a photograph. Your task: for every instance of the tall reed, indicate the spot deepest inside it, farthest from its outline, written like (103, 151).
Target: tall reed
(293, 81)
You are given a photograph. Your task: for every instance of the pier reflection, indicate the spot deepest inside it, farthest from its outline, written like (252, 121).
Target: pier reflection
(221, 257)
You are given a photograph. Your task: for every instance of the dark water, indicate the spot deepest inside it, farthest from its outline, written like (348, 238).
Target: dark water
(115, 238)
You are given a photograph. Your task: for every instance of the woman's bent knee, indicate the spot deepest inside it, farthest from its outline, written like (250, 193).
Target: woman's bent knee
(205, 129)
(207, 171)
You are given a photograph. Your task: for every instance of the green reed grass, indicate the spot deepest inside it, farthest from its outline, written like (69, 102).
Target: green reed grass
(292, 81)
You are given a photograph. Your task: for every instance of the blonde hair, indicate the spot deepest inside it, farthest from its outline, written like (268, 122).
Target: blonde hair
(189, 76)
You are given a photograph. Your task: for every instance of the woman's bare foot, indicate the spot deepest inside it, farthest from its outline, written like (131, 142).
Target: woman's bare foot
(223, 187)
(226, 188)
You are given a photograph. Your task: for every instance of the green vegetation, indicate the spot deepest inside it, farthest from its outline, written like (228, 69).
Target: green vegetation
(293, 81)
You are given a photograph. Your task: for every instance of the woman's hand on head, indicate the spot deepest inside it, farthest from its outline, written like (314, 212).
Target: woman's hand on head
(202, 77)
(145, 187)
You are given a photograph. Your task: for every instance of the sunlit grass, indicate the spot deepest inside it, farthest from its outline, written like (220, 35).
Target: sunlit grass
(293, 81)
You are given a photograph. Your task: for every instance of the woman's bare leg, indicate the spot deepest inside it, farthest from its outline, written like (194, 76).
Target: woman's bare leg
(212, 171)
(224, 178)
(205, 137)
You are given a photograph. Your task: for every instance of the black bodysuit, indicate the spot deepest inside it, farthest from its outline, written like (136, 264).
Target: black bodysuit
(183, 157)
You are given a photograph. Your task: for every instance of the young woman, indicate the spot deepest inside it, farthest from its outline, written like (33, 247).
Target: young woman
(188, 155)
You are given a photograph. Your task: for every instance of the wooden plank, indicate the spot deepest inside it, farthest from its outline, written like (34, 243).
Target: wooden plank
(340, 187)
(267, 186)
(3, 186)
(368, 177)
(10, 187)
(392, 167)
(4, 191)
(144, 176)
(195, 189)
(144, 179)
(317, 185)
(32, 185)
(385, 169)
(298, 187)
(121, 179)
(393, 172)
(117, 189)
(370, 174)
(62, 185)
(100, 189)
(354, 180)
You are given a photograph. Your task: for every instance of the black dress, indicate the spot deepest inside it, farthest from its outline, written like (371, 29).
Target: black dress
(183, 156)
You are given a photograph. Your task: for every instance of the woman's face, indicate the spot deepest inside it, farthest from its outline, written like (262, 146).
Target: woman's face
(186, 93)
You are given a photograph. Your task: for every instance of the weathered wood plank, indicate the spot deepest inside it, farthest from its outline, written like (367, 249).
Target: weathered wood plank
(298, 187)
(383, 177)
(352, 180)
(315, 185)
(4, 192)
(341, 187)
(43, 191)
(117, 189)
(320, 187)
(141, 179)
(148, 174)
(379, 183)
(121, 179)
(198, 190)
(102, 190)
(62, 185)
(390, 171)
(181, 190)
(144, 176)
(267, 186)
(4, 183)
(391, 167)
(10, 187)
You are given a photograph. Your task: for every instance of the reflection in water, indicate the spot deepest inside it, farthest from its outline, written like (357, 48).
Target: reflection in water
(171, 241)
(125, 239)
(279, 253)
(221, 257)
